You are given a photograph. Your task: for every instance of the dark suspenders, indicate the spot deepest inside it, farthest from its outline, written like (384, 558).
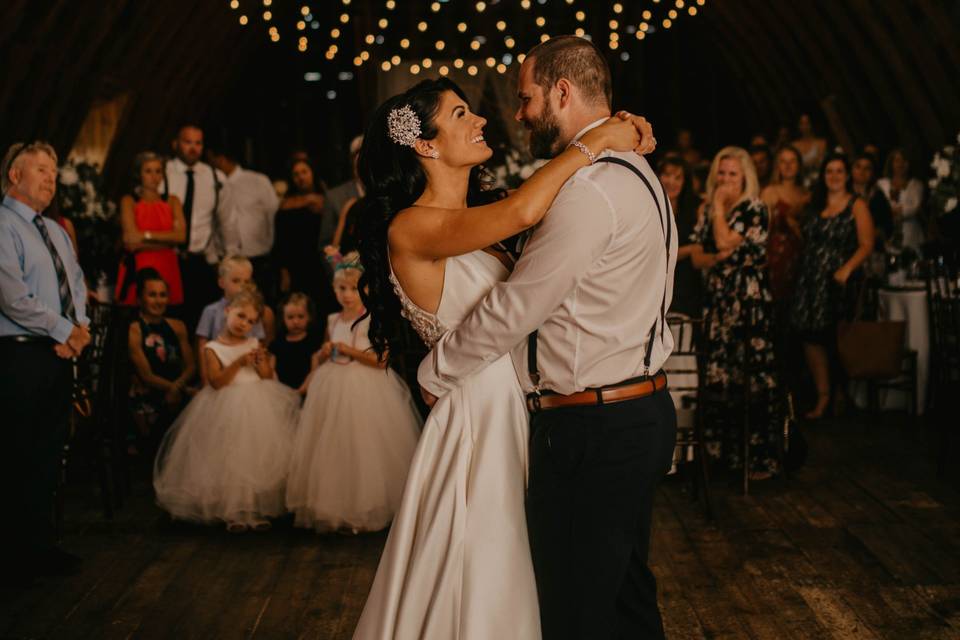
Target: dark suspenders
(667, 230)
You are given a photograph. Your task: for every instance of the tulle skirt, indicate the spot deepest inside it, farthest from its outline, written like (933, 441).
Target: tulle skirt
(227, 456)
(358, 431)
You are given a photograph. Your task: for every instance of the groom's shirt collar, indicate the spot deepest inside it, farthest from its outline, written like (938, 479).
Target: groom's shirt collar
(592, 125)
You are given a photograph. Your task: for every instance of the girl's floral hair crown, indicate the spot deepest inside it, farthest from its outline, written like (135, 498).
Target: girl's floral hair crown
(344, 262)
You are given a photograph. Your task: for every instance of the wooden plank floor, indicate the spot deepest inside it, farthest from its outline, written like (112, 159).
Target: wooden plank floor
(864, 542)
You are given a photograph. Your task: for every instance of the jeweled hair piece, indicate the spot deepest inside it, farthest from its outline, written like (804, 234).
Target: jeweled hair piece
(403, 125)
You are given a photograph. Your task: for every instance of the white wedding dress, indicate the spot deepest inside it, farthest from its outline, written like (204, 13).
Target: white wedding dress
(457, 564)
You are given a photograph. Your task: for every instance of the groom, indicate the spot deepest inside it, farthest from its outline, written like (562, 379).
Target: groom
(583, 317)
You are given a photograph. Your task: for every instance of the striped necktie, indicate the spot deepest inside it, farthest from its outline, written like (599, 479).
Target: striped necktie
(63, 285)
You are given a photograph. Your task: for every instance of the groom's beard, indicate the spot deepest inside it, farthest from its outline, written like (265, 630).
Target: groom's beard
(544, 134)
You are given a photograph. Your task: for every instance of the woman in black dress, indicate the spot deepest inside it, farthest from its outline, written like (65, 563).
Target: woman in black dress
(301, 225)
(162, 359)
(729, 243)
(838, 237)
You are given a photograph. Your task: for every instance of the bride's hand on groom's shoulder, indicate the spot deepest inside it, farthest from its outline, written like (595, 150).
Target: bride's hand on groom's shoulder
(648, 143)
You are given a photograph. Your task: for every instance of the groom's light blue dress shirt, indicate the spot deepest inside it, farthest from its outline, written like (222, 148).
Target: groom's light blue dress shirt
(29, 291)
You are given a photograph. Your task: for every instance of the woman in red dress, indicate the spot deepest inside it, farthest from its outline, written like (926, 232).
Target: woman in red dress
(152, 227)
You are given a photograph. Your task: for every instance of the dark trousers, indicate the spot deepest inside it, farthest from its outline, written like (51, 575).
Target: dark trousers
(35, 391)
(199, 287)
(593, 474)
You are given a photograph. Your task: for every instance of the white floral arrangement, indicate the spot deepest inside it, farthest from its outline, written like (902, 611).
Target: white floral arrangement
(945, 184)
(81, 199)
(517, 167)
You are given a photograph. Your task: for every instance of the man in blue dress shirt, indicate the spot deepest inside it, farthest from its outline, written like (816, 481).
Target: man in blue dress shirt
(43, 326)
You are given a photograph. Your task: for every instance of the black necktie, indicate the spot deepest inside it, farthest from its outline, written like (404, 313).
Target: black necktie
(188, 204)
(63, 285)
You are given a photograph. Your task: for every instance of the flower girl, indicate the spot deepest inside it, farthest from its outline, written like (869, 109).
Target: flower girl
(227, 455)
(358, 428)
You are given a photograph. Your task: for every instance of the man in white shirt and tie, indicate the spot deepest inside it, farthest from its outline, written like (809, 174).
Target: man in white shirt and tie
(208, 211)
(255, 205)
(583, 315)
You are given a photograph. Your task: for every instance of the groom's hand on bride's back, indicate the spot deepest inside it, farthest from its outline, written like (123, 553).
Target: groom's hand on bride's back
(428, 397)
(647, 141)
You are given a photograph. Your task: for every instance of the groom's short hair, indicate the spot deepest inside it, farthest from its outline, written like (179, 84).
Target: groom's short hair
(579, 61)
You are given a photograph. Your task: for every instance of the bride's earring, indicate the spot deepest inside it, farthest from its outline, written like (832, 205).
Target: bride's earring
(434, 154)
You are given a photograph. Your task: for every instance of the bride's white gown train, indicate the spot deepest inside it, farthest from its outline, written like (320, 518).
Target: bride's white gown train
(457, 564)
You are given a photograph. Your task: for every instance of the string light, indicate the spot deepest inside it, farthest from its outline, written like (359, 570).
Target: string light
(234, 4)
(443, 70)
(501, 50)
(502, 68)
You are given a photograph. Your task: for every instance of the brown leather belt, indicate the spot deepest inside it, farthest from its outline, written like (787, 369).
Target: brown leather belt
(597, 396)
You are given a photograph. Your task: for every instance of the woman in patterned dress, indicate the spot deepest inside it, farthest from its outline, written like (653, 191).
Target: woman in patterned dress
(838, 233)
(730, 246)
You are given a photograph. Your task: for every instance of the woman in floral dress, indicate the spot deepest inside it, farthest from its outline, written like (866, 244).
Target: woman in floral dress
(730, 246)
(839, 234)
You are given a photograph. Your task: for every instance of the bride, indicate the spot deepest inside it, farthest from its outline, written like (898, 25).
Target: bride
(457, 561)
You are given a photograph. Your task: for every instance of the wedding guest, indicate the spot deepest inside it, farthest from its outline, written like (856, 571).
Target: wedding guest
(43, 326)
(730, 244)
(302, 223)
(348, 201)
(684, 147)
(763, 161)
(208, 218)
(226, 457)
(159, 349)
(759, 140)
(838, 236)
(864, 175)
(905, 195)
(235, 273)
(812, 148)
(786, 198)
(152, 227)
(255, 205)
(687, 284)
(292, 351)
(353, 188)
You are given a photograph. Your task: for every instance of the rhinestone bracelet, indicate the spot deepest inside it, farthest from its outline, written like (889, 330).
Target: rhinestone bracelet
(591, 156)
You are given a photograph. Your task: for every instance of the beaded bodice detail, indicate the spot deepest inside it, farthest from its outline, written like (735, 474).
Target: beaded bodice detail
(427, 325)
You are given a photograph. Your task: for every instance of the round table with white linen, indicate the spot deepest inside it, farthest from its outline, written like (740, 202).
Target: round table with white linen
(909, 304)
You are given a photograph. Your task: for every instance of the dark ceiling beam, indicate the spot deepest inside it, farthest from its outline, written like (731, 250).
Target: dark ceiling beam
(901, 78)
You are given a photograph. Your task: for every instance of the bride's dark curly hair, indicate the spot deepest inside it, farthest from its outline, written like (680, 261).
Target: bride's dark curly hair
(394, 179)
